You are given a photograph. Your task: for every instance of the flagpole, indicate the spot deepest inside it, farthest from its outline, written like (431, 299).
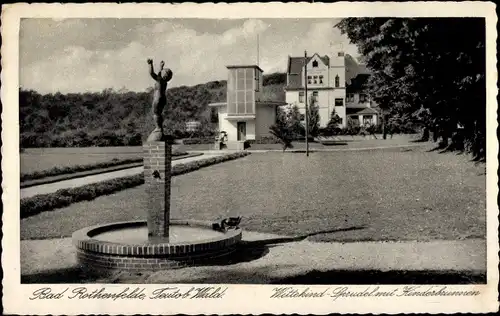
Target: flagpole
(258, 51)
(306, 98)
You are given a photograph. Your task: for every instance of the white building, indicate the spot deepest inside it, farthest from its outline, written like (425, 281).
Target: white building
(245, 115)
(335, 82)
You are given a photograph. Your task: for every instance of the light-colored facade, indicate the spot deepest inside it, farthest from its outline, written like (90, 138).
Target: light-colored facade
(245, 116)
(332, 81)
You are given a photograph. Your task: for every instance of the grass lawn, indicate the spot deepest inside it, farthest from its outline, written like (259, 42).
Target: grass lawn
(38, 159)
(396, 194)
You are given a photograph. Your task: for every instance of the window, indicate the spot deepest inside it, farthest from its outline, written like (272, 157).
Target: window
(302, 117)
(301, 97)
(309, 79)
(367, 119)
(315, 79)
(315, 96)
(257, 80)
(362, 97)
(350, 97)
(315, 64)
(339, 102)
(321, 79)
(337, 81)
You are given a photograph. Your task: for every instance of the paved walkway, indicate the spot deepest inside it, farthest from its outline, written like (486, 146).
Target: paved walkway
(264, 264)
(78, 182)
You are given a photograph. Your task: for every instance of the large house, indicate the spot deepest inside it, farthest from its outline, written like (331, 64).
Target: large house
(245, 115)
(333, 83)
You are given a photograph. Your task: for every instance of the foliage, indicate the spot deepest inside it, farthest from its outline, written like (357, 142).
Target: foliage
(432, 63)
(195, 141)
(122, 118)
(313, 118)
(64, 197)
(265, 140)
(332, 128)
(276, 78)
(281, 129)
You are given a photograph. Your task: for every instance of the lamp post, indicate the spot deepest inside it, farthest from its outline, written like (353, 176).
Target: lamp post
(306, 98)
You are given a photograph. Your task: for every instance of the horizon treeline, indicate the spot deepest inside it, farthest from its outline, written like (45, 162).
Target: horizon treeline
(121, 118)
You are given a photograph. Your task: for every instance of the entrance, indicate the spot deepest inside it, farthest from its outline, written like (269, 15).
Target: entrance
(242, 131)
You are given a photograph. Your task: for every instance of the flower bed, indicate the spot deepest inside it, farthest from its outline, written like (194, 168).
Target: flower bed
(64, 197)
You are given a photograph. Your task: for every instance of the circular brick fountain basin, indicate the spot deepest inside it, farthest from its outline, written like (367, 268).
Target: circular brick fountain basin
(125, 246)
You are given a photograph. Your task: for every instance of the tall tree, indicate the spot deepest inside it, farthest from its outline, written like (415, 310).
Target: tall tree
(313, 118)
(436, 64)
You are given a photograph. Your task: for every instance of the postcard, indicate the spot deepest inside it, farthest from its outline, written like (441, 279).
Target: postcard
(249, 158)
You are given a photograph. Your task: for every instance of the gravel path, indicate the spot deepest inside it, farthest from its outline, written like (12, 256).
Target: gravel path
(42, 259)
(78, 182)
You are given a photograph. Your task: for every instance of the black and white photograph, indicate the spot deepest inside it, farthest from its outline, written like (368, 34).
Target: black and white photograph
(318, 159)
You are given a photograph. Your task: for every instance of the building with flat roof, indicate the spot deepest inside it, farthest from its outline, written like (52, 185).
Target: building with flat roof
(245, 115)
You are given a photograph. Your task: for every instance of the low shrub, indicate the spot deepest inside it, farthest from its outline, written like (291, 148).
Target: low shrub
(196, 141)
(64, 197)
(265, 140)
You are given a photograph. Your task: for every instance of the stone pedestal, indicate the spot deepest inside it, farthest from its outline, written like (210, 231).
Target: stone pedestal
(157, 177)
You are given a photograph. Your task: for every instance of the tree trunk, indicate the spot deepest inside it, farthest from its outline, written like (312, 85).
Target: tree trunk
(384, 126)
(426, 134)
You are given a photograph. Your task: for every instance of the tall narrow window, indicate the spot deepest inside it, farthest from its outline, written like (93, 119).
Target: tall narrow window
(337, 81)
(301, 97)
(257, 80)
(315, 96)
(315, 64)
(321, 79)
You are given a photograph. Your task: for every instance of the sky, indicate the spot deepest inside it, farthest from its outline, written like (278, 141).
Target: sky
(79, 55)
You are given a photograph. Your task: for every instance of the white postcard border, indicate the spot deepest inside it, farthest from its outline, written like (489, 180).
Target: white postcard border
(238, 299)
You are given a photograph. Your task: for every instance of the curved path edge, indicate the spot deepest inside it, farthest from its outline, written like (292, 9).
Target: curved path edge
(81, 174)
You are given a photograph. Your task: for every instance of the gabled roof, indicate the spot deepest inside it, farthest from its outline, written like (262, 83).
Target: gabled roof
(362, 111)
(295, 64)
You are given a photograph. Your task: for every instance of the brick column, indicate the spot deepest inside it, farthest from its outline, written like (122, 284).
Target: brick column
(157, 167)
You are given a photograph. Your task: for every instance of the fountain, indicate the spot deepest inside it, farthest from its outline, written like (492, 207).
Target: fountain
(159, 242)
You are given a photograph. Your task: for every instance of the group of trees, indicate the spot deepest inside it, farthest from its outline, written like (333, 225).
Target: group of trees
(121, 118)
(289, 126)
(430, 71)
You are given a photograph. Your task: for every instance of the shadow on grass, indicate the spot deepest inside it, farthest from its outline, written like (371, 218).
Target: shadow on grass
(246, 251)
(66, 275)
(386, 277)
(341, 143)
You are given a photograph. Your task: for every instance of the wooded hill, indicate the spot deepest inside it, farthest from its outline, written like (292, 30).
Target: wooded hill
(121, 118)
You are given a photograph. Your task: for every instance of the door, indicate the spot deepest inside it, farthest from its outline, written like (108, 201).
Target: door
(242, 131)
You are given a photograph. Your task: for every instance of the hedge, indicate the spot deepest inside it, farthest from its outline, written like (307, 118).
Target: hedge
(57, 171)
(196, 141)
(64, 197)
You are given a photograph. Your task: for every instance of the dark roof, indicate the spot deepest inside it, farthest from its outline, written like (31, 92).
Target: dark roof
(361, 111)
(245, 66)
(353, 69)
